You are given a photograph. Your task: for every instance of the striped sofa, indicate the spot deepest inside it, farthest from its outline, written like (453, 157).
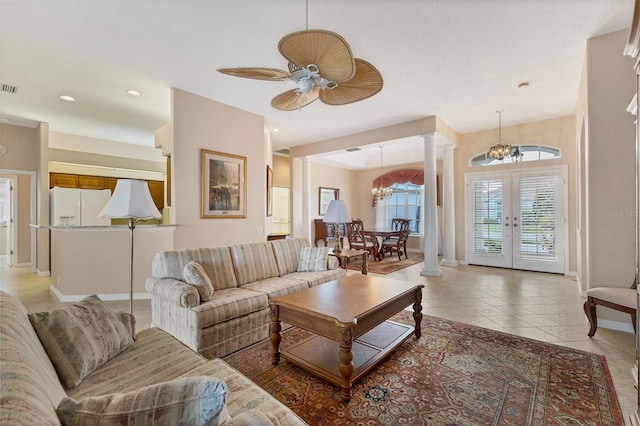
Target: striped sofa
(31, 392)
(244, 277)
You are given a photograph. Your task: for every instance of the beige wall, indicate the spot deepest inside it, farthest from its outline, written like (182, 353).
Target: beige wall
(21, 144)
(29, 150)
(199, 123)
(332, 177)
(556, 132)
(281, 171)
(607, 87)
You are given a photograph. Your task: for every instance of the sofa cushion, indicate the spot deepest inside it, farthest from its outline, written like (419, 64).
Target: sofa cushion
(228, 304)
(253, 262)
(313, 259)
(316, 278)
(216, 262)
(30, 386)
(196, 400)
(279, 286)
(155, 357)
(252, 418)
(287, 253)
(80, 337)
(195, 275)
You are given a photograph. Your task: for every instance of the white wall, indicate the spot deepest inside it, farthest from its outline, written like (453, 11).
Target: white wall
(201, 123)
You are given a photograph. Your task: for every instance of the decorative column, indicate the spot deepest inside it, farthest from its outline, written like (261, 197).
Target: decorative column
(430, 228)
(449, 233)
(306, 198)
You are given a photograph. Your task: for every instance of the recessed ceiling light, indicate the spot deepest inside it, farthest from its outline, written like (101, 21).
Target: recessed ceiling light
(276, 130)
(523, 85)
(133, 93)
(67, 98)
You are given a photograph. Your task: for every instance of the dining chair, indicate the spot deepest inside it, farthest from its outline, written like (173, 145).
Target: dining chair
(398, 224)
(398, 245)
(358, 241)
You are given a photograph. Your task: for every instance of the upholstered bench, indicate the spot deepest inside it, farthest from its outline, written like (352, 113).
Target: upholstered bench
(619, 299)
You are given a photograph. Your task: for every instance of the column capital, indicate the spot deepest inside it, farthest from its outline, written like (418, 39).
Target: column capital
(429, 137)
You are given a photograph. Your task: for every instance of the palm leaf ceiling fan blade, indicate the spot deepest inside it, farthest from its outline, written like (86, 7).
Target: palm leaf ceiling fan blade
(269, 74)
(291, 100)
(327, 50)
(366, 82)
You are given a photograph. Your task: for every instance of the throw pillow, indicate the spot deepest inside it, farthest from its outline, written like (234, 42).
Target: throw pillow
(313, 259)
(195, 275)
(188, 401)
(80, 337)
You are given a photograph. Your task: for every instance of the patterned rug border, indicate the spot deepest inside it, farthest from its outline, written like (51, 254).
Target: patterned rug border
(331, 410)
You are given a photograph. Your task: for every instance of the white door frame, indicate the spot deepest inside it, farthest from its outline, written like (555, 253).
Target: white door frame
(32, 212)
(561, 169)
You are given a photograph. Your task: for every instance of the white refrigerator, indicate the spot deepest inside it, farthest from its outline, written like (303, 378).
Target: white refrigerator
(77, 207)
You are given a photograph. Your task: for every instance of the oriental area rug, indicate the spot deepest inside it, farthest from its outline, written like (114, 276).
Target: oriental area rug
(455, 374)
(388, 265)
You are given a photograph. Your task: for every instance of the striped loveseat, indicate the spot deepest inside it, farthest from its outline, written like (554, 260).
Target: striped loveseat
(244, 276)
(139, 385)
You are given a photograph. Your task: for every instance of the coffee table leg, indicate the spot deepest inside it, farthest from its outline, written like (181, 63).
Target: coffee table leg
(365, 269)
(346, 366)
(274, 329)
(417, 313)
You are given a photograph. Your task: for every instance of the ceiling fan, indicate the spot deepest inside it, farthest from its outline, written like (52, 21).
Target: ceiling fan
(322, 65)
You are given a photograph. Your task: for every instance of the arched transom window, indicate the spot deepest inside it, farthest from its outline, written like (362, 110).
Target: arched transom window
(518, 154)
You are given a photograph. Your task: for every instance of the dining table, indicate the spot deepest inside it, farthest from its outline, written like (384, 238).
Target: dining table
(383, 234)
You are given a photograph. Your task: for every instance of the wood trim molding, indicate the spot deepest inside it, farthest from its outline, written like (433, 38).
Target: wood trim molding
(633, 42)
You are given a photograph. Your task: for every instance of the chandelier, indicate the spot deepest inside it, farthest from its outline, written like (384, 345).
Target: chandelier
(381, 192)
(499, 150)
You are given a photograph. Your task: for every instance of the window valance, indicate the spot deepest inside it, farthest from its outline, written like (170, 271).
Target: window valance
(415, 176)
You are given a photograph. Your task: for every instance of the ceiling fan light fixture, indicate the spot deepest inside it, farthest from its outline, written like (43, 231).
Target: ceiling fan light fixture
(321, 64)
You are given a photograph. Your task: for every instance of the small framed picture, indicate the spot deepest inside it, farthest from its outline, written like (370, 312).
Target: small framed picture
(224, 185)
(326, 195)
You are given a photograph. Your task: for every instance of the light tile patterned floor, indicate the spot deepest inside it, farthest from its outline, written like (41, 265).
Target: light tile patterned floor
(545, 307)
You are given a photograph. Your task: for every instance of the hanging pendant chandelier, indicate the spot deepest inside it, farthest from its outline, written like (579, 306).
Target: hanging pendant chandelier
(500, 150)
(381, 192)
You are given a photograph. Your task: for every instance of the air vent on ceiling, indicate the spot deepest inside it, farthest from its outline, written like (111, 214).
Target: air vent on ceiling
(353, 149)
(283, 151)
(9, 88)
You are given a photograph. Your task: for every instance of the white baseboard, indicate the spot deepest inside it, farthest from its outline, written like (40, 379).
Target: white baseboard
(43, 273)
(105, 297)
(615, 325)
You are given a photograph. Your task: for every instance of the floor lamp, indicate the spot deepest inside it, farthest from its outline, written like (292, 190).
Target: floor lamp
(131, 200)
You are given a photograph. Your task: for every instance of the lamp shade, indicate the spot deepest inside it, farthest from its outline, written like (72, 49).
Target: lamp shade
(337, 212)
(131, 199)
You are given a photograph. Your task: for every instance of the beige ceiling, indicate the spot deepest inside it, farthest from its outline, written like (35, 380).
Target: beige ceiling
(457, 59)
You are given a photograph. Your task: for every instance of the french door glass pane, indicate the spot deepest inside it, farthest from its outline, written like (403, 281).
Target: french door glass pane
(537, 210)
(488, 217)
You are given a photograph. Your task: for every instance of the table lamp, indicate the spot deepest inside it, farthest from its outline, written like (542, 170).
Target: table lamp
(337, 213)
(131, 200)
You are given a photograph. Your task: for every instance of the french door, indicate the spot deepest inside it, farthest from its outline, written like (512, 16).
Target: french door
(517, 219)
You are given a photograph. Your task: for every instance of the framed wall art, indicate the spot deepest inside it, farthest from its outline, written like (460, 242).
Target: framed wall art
(224, 185)
(326, 195)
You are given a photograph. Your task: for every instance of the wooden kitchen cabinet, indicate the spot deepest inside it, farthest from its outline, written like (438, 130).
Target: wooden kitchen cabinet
(63, 180)
(67, 180)
(90, 182)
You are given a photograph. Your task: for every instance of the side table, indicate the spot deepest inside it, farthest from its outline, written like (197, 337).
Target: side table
(346, 254)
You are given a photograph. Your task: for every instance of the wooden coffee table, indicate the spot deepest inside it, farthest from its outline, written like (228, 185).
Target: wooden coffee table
(349, 319)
